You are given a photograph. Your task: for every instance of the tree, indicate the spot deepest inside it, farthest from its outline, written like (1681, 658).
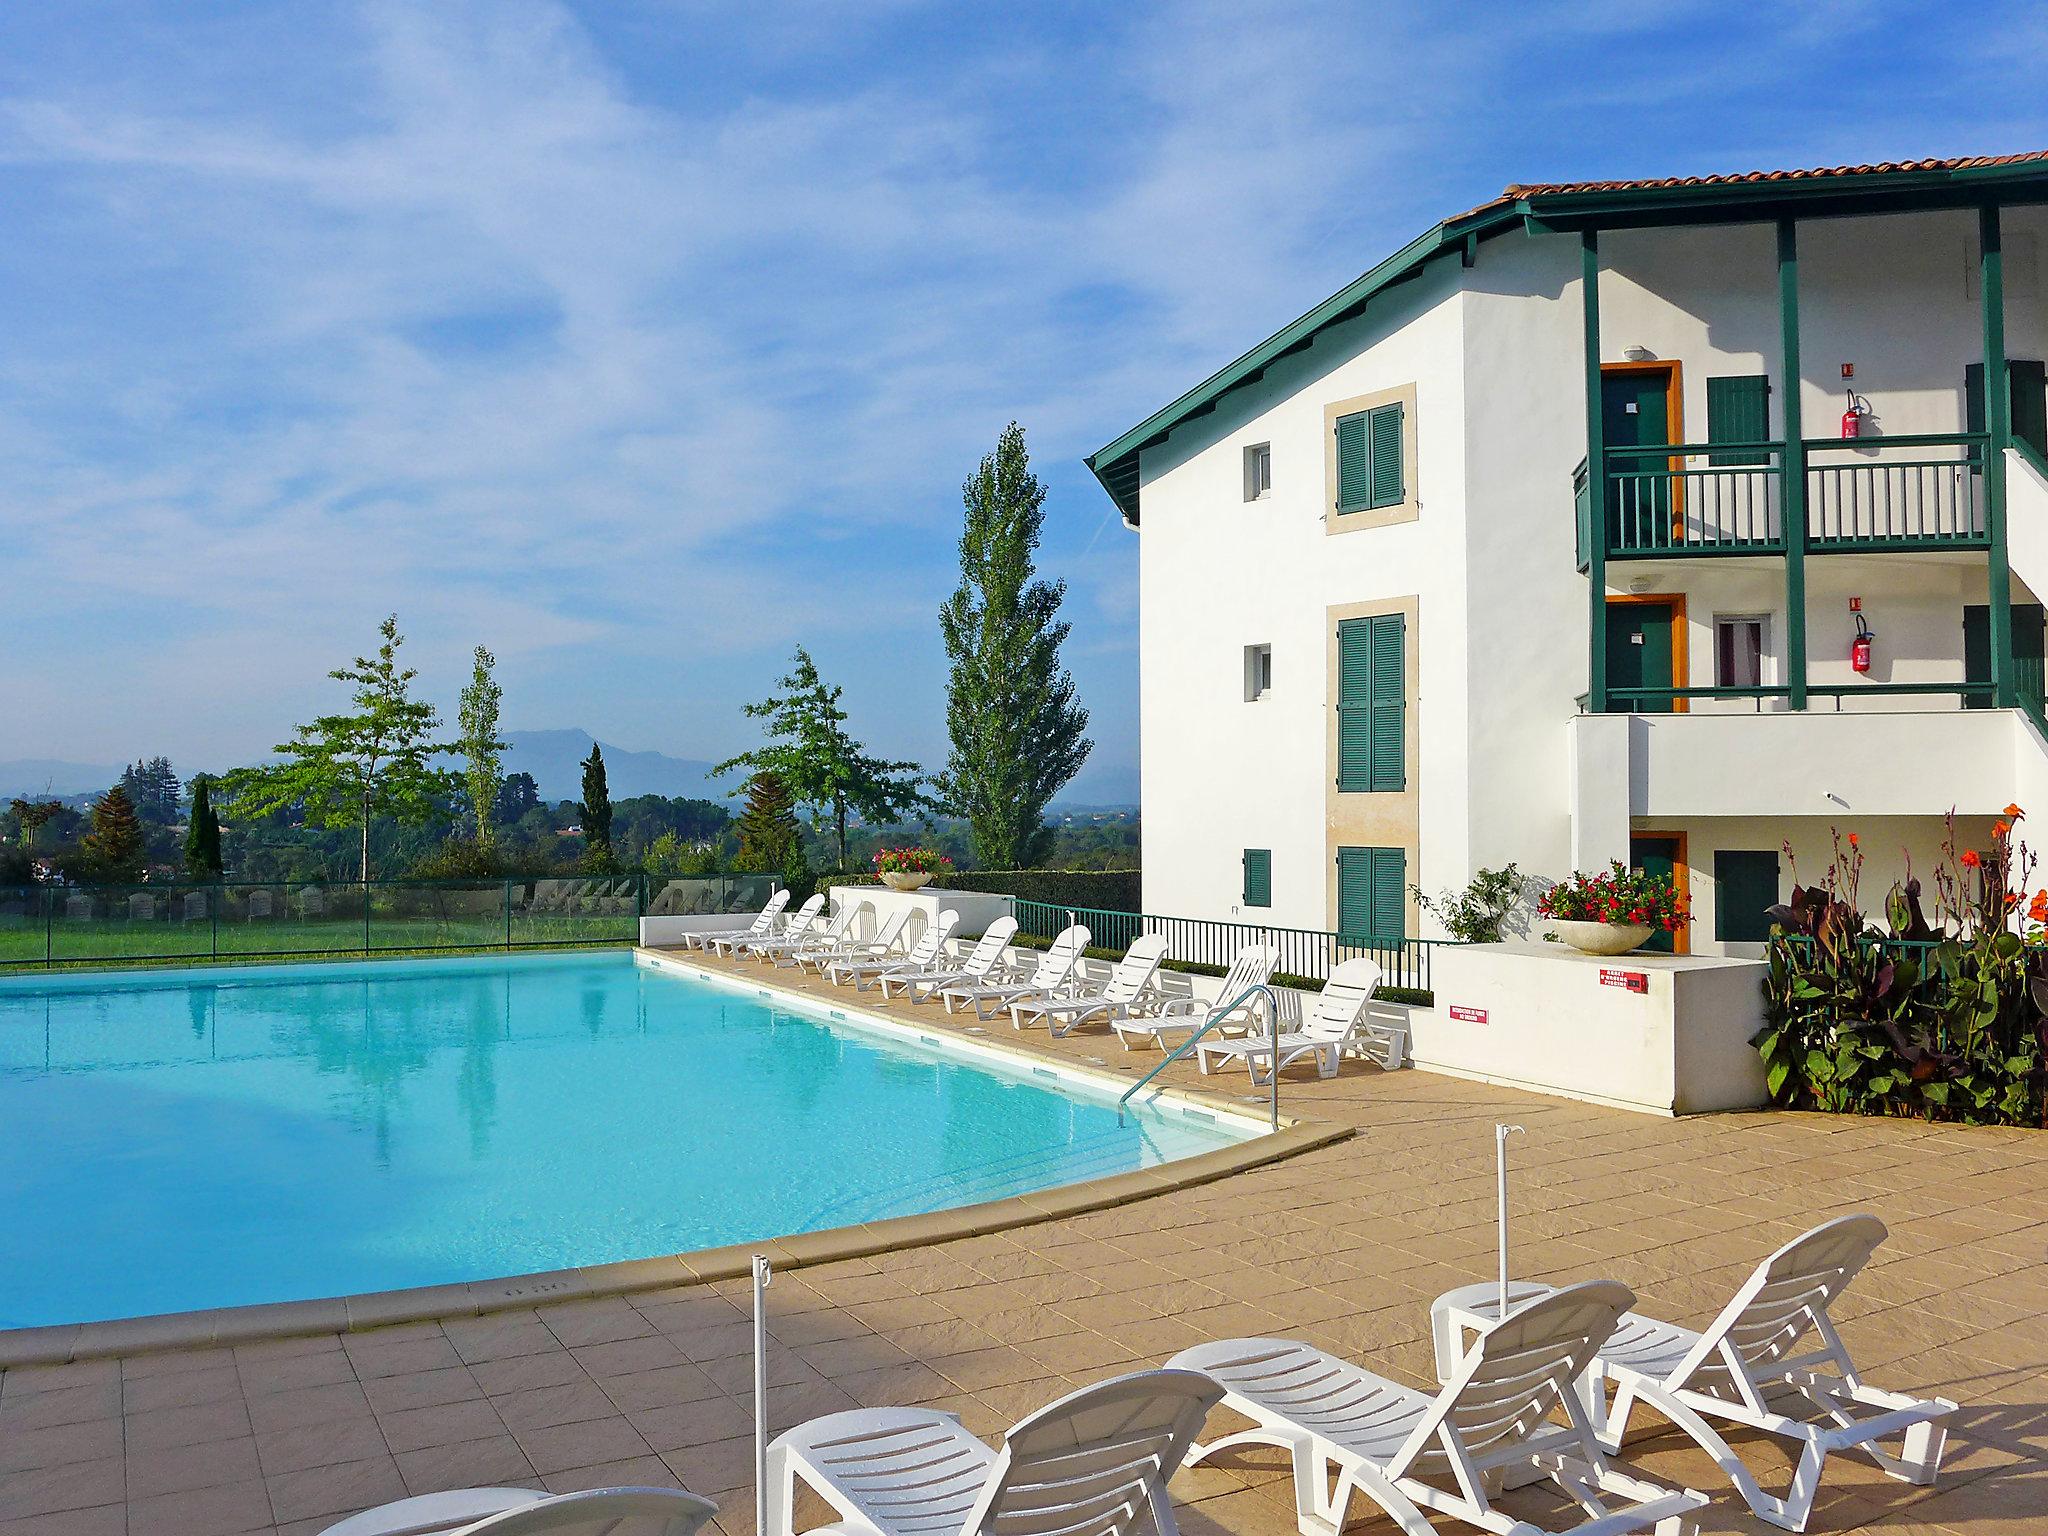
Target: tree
(821, 765)
(33, 815)
(517, 795)
(153, 788)
(202, 836)
(770, 839)
(113, 848)
(345, 770)
(1011, 715)
(479, 744)
(596, 809)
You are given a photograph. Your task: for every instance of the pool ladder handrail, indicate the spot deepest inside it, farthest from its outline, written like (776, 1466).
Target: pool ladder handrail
(1216, 1018)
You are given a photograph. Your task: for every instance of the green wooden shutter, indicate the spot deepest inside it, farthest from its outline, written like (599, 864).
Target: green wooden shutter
(1372, 704)
(1389, 642)
(1745, 888)
(1739, 411)
(1372, 895)
(1389, 478)
(1354, 463)
(2029, 382)
(1354, 705)
(1258, 877)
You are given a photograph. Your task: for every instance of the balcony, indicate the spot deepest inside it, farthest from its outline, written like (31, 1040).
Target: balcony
(1862, 496)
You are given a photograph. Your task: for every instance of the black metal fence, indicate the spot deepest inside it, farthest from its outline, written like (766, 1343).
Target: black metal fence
(71, 924)
(1307, 952)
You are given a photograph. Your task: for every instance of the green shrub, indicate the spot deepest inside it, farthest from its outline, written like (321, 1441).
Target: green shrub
(1102, 890)
(1943, 1020)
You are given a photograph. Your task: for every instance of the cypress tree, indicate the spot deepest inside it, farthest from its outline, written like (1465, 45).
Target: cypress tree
(202, 836)
(1014, 723)
(114, 846)
(597, 810)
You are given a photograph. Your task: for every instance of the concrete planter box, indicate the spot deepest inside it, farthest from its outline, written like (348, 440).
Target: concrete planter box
(1664, 1034)
(977, 909)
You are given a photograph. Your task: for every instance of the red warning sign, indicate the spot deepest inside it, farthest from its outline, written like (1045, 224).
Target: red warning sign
(1632, 981)
(1467, 1015)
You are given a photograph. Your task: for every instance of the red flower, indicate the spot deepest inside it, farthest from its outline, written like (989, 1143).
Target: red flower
(1969, 859)
(1854, 839)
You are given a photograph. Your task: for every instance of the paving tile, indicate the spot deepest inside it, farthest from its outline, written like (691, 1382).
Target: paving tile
(164, 1427)
(372, 1354)
(264, 1375)
(71, 1485)
(521, 1373)
(415, 1429)
(102, 1520)
(558, 1447)
(422, 1389)
(229, 1509)
(319, 1445)
(545, 1407)
(181, 1389)
(334, 1490)
(58, 1444)
(182, 1468)
(493, 1463)
(308, 1405)
(632, 1472)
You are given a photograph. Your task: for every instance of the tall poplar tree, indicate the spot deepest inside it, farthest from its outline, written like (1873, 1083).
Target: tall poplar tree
(1017, 730)
(477, 720)
(344, 770)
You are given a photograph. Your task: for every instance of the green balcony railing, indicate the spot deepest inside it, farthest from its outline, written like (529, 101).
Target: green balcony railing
(1922, 491)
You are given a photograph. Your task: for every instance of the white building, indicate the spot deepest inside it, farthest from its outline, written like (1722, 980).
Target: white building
(1389, 634)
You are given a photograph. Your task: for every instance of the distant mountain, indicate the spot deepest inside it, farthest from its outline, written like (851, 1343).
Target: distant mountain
(555, 759)
(1112, 784)
(27, 777)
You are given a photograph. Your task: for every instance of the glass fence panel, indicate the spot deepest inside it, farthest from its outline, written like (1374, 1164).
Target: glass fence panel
(288, 919)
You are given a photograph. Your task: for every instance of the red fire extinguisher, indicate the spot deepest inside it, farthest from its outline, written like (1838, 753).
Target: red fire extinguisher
(1852, 418)
(1859, 648)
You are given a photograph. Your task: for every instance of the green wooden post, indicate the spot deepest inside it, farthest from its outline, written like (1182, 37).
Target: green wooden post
(1793, 497)
(1596, 480)
(1998, 424)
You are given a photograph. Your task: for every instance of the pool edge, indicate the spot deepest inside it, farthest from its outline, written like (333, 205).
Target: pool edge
(61, 1343)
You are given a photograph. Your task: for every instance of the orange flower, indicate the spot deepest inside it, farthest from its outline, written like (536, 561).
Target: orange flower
(2000, 828)
(1969, 859)
(2014, 812)
(1854, 839)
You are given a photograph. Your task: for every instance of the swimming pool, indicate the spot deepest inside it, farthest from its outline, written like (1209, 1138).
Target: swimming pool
(187, 1139)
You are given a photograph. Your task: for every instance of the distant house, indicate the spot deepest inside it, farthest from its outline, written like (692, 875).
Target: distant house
(1667, 521)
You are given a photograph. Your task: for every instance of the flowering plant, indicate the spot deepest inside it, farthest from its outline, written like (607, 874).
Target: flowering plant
(1622, 896)
(911, 861)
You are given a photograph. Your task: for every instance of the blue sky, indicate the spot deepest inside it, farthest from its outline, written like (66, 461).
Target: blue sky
(644, 340)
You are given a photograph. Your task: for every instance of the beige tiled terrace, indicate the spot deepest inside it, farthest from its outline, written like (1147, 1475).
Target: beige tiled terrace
(1344, 1246)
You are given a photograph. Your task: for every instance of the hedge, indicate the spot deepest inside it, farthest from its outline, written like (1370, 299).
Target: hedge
(1103, 890)
(1420, 997)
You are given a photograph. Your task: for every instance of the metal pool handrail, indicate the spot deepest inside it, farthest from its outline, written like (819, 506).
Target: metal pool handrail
(1215, 1019)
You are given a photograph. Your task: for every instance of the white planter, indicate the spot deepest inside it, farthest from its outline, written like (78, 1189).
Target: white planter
(1601, 938)
(904, 880)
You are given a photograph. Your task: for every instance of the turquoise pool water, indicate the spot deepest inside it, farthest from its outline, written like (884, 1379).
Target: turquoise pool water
(211, 1138)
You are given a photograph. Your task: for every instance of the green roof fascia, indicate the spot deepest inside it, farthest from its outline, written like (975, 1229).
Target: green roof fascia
(1116, 465)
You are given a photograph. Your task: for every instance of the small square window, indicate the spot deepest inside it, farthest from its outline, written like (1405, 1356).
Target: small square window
(1258, 471)
(1258, 671)
(1741, 642)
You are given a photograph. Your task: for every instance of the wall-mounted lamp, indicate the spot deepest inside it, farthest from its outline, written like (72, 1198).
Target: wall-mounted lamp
(1641, 583)
(1637, 354)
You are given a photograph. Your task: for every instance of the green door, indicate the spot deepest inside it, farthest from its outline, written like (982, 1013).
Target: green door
(1635, 412)
(2027, 389)
(1640, 654)
(1656, 854)
(2029, 646)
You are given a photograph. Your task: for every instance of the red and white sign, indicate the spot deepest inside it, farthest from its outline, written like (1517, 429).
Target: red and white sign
(1632, 981)
(1468, 1015)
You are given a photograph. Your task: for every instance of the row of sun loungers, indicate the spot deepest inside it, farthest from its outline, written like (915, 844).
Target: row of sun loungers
(1241, 1026)
(1527, 1403)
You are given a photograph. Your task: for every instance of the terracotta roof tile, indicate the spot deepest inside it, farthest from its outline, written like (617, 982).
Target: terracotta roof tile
(1967, 162)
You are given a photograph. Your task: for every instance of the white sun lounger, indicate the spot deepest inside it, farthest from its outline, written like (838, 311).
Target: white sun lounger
(1408, 1452)
(1093, 1463)
(1254, 963)
(1339, 1023)
(981, 962)
(530, 1512)
(1130, 982)
(887, 943)
(760, 928)
(803, 921)
(1055, 969)
(822, 938)
(924, 953)
(1741, 1370)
